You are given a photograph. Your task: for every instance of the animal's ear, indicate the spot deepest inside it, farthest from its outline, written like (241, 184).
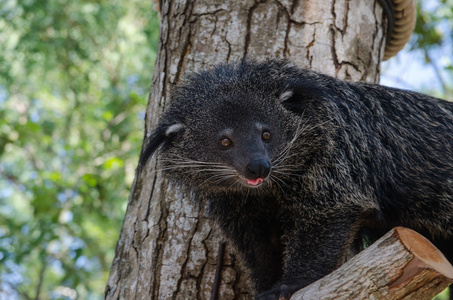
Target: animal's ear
(300, 94)
(159, 137)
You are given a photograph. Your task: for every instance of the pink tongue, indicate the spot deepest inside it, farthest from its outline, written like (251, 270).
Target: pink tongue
(254, 181)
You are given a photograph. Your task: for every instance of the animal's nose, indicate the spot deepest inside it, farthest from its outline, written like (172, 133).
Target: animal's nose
(258, 168)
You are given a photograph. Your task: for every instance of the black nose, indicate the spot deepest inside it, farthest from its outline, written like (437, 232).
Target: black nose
(258, 168)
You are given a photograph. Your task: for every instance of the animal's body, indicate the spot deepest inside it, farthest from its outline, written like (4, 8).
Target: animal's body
(297, 168)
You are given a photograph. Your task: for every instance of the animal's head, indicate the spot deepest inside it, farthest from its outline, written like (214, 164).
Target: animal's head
(234, 126)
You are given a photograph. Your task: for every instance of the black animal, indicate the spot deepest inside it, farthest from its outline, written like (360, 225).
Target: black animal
(298, 168)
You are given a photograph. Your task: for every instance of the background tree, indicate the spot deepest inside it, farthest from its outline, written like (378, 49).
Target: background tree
(73, 78)
(167, 248)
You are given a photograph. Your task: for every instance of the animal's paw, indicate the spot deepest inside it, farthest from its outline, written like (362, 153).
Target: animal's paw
(283, 290)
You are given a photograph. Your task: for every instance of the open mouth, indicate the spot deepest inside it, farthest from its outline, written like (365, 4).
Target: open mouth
(254, 182)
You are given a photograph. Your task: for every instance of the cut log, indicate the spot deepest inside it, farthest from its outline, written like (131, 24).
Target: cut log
(400, 265)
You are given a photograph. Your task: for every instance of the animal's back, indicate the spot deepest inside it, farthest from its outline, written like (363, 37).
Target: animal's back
(404, 142)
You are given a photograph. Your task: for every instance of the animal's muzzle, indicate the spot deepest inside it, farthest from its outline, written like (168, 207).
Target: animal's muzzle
(258, 168)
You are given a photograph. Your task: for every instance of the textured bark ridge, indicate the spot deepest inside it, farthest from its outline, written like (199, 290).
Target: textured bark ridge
(167, 248)
(400, 265)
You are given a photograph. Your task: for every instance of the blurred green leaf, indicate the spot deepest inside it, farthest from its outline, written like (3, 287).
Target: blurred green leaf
(73, 82)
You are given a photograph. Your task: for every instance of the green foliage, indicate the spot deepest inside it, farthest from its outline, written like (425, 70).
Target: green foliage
(434, 23)
(433, 35)
(74, 77)
(443, 295)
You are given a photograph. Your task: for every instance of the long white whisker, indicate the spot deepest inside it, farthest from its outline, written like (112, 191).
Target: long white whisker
(274, 179)
(282, 169)
(288, 147)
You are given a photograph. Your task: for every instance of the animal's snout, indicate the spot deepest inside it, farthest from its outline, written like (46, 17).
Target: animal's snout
(258, 168)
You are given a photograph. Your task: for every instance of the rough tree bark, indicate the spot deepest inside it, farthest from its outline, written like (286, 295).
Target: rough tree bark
(167, 249)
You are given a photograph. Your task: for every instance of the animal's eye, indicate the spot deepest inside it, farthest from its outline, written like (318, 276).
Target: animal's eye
(266, 135)
(226, 142)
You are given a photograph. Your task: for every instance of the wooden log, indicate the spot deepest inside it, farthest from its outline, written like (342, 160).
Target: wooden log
(400, 265)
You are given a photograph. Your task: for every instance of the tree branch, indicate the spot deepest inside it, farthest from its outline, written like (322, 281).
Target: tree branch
(400, 265)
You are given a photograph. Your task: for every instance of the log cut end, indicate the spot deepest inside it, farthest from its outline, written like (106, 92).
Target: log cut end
(424, 250)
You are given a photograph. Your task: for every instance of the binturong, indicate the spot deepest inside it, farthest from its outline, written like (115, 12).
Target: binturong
(299, 169)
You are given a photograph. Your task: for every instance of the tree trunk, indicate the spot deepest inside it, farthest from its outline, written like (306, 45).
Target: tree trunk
(167, 248)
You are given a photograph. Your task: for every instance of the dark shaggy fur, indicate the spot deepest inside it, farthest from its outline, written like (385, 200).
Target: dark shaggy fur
(297, 167)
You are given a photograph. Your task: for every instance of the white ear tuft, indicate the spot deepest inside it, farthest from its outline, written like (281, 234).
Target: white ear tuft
(286, 95)
(173, 129)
